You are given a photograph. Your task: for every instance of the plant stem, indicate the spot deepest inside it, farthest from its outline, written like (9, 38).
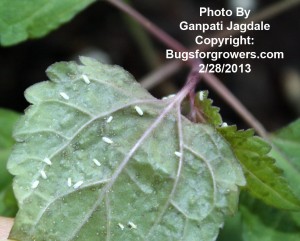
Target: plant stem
(265, 14)
(142, 40)
(222, 90)
(213, 81)
(152, 28)
(192, 79)
(155, 77)
(172, 67)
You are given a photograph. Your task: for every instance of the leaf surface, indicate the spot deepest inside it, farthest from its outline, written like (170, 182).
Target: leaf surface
(287, 153)
(8, 205)
(286, 150)
(147, 174)
(265, 223)
(264, 179)
(232, 228)
(22, 20)
(206, 110)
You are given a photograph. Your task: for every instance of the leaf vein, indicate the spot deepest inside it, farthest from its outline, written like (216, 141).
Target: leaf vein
(82, 128)
(124, 162)
(70, 105)
(210, 171)
(283, 199)
(43, 130)
(179, 169)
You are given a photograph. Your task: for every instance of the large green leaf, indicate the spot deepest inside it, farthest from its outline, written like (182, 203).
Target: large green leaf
(264, 179)
(264, 223)
(8, 119)
(21, 20)
(287, 153)
(286, 150)
(147, 174)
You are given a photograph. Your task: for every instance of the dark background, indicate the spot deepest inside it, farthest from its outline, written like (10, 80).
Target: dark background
(271, 92)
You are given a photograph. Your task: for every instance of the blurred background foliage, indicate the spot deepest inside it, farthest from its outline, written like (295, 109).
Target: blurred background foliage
(8, 206)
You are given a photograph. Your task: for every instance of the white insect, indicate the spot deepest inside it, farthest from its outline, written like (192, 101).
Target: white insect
(48, 161)
(107, 140)
(86, 79)
(121, 226)
(78, 184)
(177, 153)
(139, 110)
(69, 182)
(43, 174)
(201, 96)
(97, 162)
(168, 97)
(64, 95)
(224, 124)
(132, 225)
(35, 184)
(109, 119)
(171, 96)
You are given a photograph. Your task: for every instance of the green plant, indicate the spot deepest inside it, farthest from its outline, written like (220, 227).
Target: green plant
(99, 158)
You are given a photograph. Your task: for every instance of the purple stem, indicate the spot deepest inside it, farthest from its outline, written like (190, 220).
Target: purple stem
(212, 80)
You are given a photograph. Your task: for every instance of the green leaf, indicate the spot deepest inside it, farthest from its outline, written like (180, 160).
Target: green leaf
(264, 223)
(286, 150)
(232, 229)
(8, 206)
(264, 179)
(8, 202)
(287, 153)
(140, 189)
(7, 121)
(206, 110)
(22, 20)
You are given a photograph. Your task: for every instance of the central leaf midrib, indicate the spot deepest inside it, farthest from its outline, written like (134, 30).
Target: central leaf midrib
(122, 165)
(269, 187)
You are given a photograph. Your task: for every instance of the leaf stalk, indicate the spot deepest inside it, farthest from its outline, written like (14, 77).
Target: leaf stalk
(210, 79)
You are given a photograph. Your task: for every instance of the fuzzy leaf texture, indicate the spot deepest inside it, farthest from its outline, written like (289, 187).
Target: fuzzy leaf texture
(22, 20)
(264, 179)
(8, 205)
(133, 185)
